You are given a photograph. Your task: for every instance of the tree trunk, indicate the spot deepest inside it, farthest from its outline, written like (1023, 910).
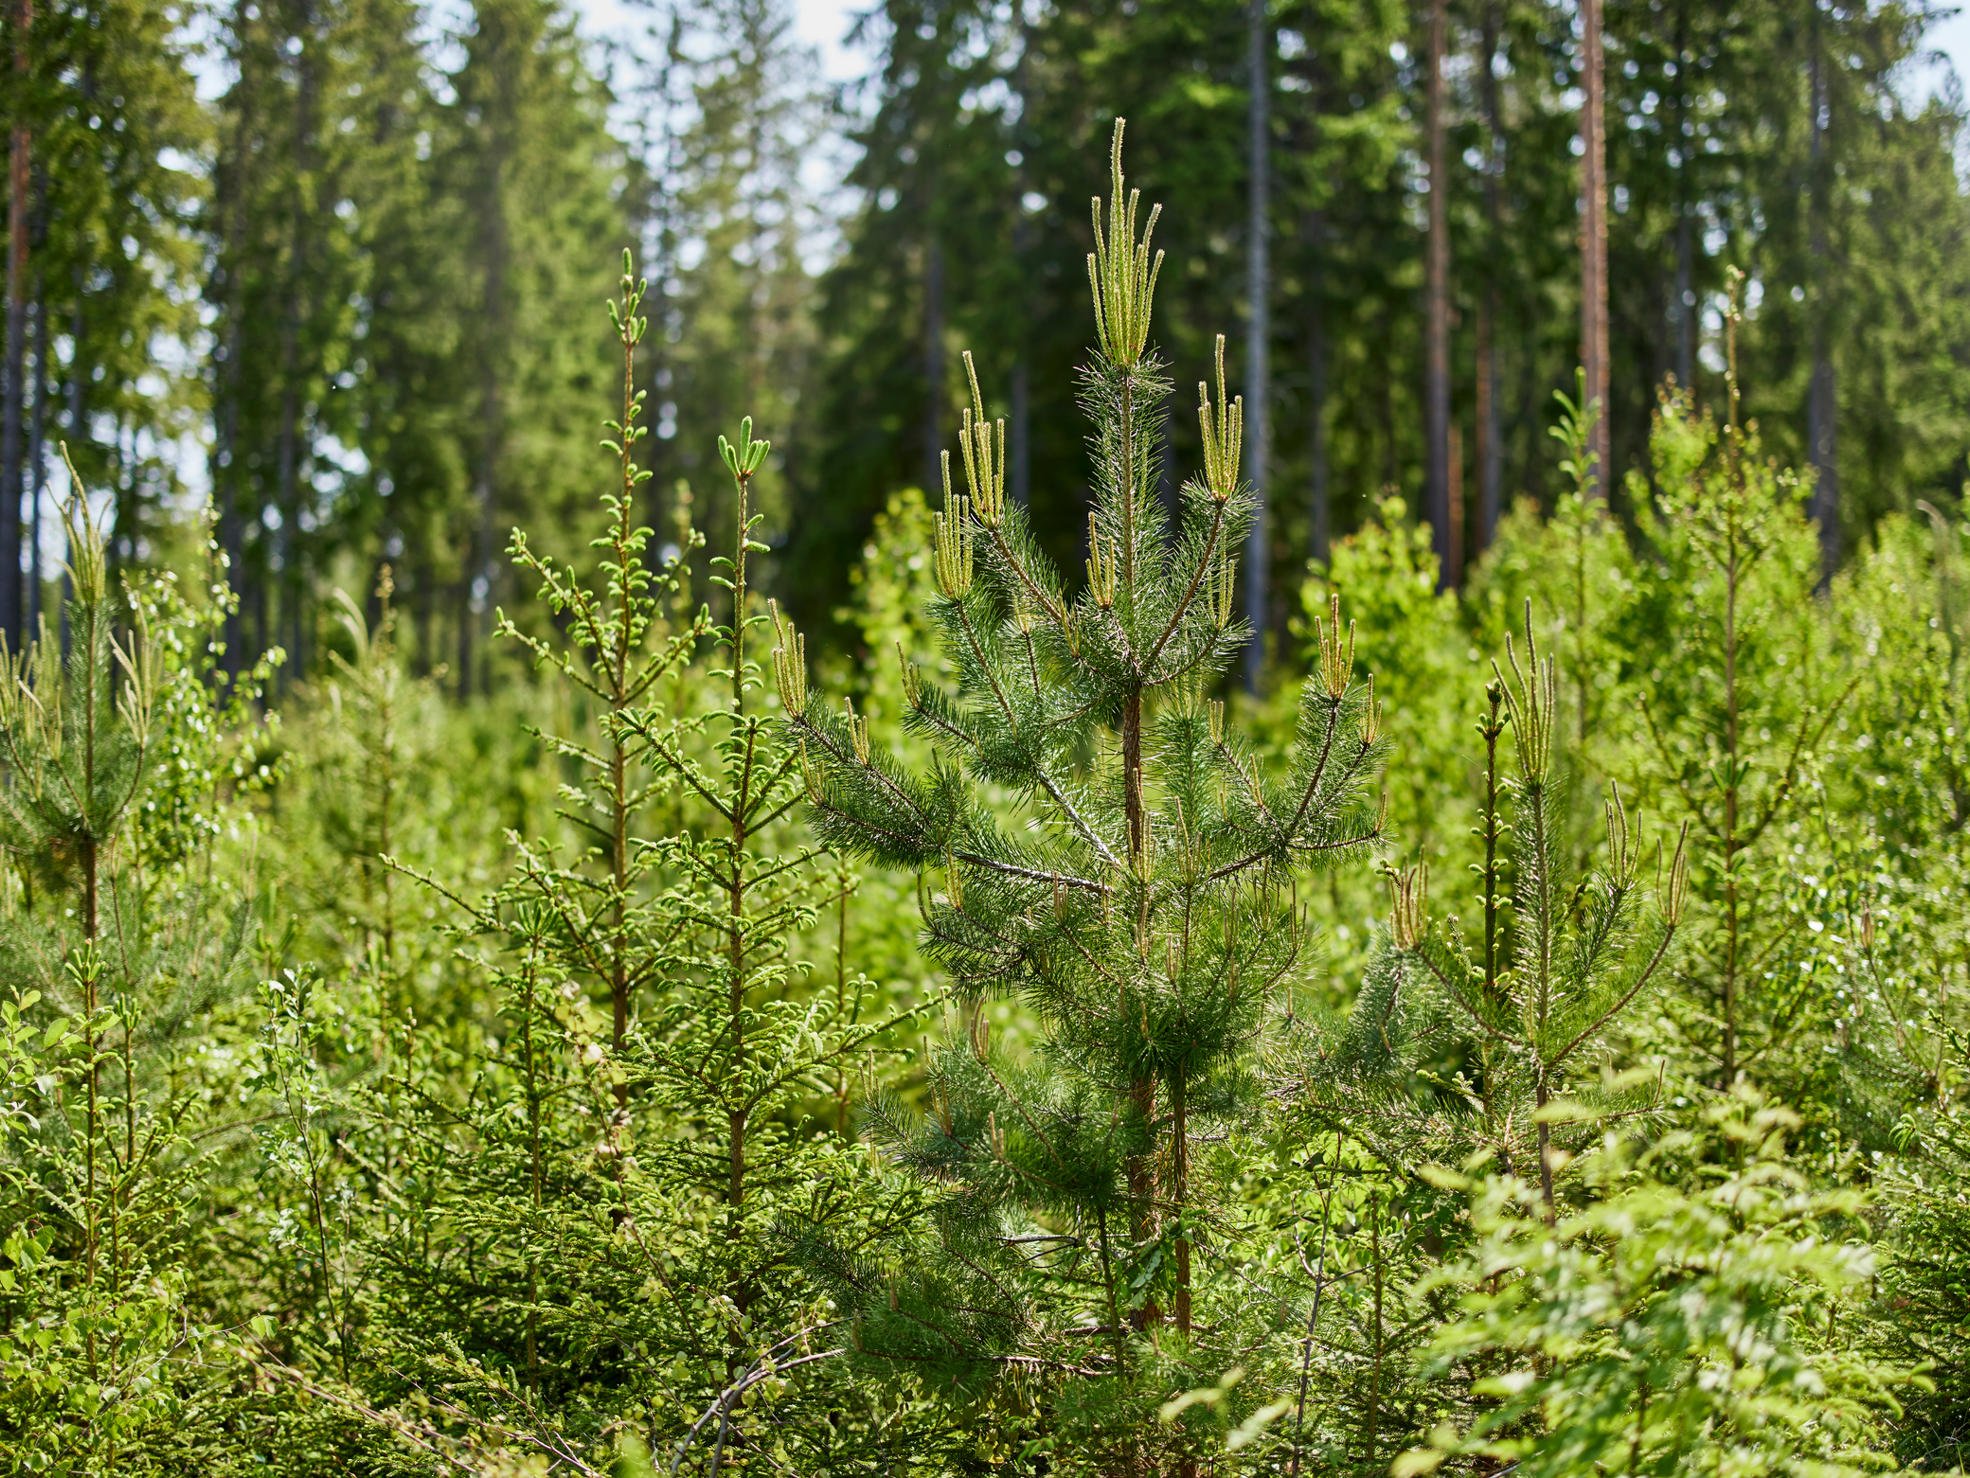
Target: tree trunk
(1490, 427)
(73, 394)
(224, 464)
(1822, 402)
(19, 151)
(1385, 394)
(1593, 250)
(1682, 311)
(287, 450)
(659, 238)
(1436, 310)
(1019, 429)
(475, 580)
(37, 460)
(1258, 288)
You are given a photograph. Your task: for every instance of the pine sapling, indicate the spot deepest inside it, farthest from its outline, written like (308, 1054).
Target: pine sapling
(1555, 970)
(1092, 835)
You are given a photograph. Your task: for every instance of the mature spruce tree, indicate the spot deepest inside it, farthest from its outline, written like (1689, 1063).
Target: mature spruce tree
(1093, 837)
(285, 276)
(933, 178)
(120, 139)
(409, 413)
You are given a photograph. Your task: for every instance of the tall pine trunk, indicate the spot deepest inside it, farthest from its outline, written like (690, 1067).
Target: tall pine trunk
(37, 464)
(1258, 289)
(476, 577)
(288, 452)
(1822, 401)
(1593, 249)
(1019, 431)
(1436, 309)
(19, 151)
(72, 394)
(1682, 312)
(659, 239)
(1490, 425)
(231, 186)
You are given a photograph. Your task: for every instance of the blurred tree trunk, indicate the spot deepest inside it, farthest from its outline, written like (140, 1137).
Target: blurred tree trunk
(1822, 400)
(1019, 431)
(1683, 309)
(20, 145)
(37, 461)
(1258, 289)
(1319, 494)
(287, 449)
(1490, 429)
(230, 190)
(933, 349)
(1593, 248)
(1436, 307)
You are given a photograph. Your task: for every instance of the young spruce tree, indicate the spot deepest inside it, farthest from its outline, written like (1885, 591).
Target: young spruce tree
(1110, 851)
(644, 1145)
(1728, 604)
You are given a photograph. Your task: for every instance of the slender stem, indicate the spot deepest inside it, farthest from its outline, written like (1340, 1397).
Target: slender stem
(1545, 1150)
(843, 887)
(1141, 1173)
(1313, 1315)
(537, 1183)
(618, 655)
(1373, 1419)
(1729, 982)
(738, 1113)
(1108, 1283)
(1180, 1191)
(1494, 725)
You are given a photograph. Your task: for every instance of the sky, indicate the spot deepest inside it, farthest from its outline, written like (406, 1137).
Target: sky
(1950, 36)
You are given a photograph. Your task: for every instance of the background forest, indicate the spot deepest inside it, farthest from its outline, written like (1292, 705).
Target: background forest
(668, 807)
(333, 267)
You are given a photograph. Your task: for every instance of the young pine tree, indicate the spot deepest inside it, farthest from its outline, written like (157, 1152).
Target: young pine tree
(1553, 964)
(120, 946)
(1462, 1042)
(1109, 851)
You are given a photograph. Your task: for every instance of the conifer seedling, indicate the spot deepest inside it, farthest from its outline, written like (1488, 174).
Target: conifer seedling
(1522, 999)
(1093, 837)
